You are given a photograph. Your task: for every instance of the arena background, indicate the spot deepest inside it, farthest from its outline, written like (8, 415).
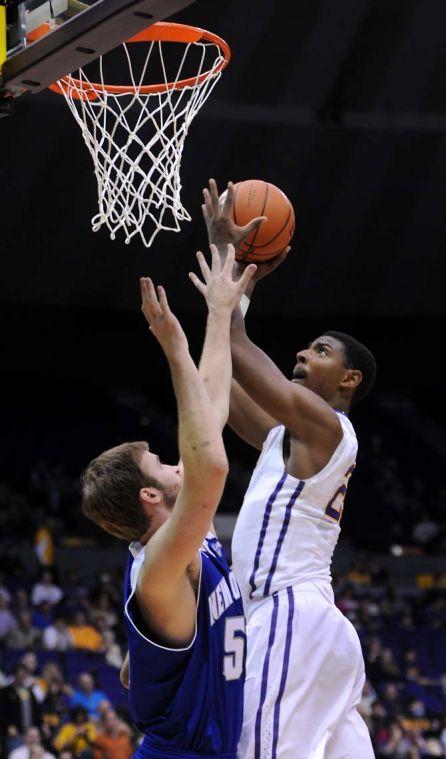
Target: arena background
(342, 106)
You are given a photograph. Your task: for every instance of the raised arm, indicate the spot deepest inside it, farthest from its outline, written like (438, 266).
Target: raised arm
(246, 418)
(307, 416)
(172, 548)
(222, 293)
(304, 413)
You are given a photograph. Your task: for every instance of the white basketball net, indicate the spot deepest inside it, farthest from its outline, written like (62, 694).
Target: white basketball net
(136, 141)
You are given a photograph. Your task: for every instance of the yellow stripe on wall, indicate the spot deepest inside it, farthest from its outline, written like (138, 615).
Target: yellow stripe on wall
(2, 34)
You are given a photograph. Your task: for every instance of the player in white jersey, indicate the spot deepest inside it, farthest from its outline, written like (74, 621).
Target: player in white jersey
(305, 669)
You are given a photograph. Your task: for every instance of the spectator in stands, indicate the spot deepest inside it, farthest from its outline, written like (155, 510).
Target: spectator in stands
(20, 601)
(57, 637)
(112, 651)
(73, 587)
(55, 706)
(102, 608)
(46, 590)
(87, 696)
(25, 635)
(19, 708)
(391, 699)
(43, 616)
(85, 635)
(29, 660)
(387, 668)
(399, 744)
(8, 622)
(359, 574)
(77, 735)
(113, 739)
(32, 749)
(52, 673)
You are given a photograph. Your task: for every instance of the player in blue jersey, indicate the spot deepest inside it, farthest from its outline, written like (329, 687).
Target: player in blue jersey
(183, 610)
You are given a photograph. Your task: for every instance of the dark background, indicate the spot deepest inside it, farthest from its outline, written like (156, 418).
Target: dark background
(342, 106)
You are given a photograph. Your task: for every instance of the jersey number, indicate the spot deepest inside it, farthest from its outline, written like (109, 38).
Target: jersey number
(336, 502)
(234, 657)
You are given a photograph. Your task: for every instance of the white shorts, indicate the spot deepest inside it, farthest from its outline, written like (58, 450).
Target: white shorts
(304, 678)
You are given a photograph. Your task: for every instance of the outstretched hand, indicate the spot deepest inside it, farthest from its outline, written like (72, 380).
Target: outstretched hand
(222, 229)
(220, 289)
(162, 322)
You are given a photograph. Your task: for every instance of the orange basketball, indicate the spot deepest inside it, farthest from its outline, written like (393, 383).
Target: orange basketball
(253, 198)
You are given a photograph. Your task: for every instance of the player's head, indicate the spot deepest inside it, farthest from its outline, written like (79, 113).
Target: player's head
(128, 491)
(337, 367)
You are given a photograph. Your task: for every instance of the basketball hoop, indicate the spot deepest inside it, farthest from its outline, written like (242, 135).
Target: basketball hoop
(136, 132)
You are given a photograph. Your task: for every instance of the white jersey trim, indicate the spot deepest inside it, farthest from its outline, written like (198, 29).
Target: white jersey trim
(133, 579)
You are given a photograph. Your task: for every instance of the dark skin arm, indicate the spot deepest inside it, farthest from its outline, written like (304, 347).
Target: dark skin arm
(246, 418)
(314, 426)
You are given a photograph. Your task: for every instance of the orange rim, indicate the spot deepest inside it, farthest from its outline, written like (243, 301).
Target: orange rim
(162, 31)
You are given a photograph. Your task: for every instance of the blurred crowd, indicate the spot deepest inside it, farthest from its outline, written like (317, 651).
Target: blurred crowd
(402, 632)
(62, 638)
(61, 650)
(62, 644)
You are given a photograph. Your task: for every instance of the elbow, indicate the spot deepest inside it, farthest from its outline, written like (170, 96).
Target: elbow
(215, 468)
(219, 466)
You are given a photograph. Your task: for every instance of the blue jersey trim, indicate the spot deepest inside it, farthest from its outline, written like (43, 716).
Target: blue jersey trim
(157, 645)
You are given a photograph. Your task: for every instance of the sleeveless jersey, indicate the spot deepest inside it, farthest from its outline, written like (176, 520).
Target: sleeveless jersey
(189, 701)
(287, 528)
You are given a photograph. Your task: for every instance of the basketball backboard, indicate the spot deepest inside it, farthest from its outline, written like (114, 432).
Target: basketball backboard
(42, 40)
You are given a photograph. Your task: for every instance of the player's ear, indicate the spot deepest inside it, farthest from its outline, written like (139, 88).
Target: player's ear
(351, 379)
(150, 497)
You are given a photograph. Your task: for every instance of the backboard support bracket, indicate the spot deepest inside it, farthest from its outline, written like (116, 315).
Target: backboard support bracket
(94, 31)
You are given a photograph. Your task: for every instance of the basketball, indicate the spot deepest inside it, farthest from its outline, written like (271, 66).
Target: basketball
(253, 198)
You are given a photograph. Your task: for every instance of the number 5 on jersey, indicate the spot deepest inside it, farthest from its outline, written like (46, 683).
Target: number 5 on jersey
(234, 657)
(335, 505)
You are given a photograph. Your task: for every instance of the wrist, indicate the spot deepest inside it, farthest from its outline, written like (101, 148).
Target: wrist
(244, 303)
(176, 354)
(220, 313)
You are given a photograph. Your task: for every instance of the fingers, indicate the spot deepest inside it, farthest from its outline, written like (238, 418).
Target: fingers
(229, 199)
(149, 297)
(201, 287)
(216, 263)
(253, 225)
(246, 277)
(229, 261)
(205, 270)
(207, 204)
(164, 303)
(205, 213)
(215, 200)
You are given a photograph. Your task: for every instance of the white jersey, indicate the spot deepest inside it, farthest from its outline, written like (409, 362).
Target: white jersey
(287, 528)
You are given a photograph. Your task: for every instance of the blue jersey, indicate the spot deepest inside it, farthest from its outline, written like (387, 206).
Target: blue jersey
(189, 701)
